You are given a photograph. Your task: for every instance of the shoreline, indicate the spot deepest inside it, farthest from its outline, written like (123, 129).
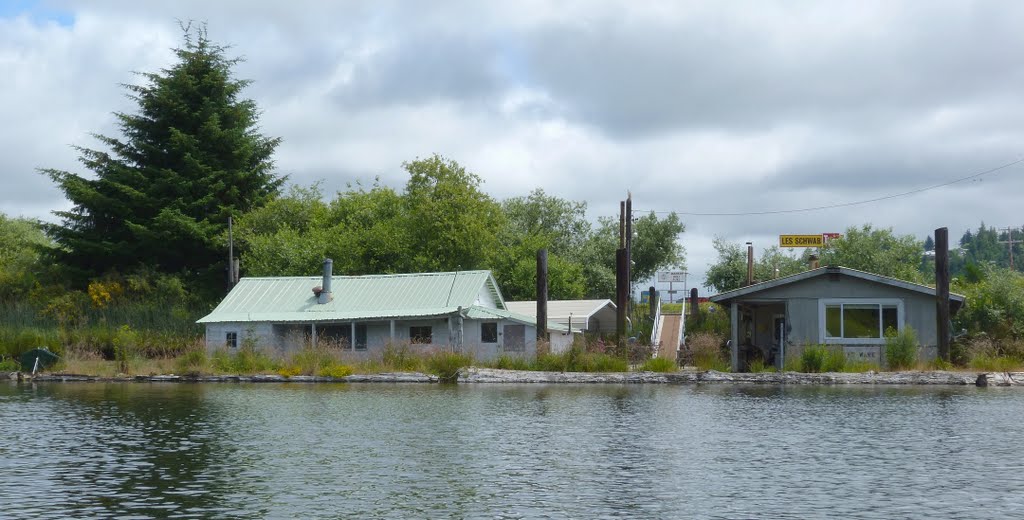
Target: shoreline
(473, 375)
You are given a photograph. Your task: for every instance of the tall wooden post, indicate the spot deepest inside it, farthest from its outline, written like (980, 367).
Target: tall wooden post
(542, 294)
(942, 292)
(231, 256)
(620, 296)
(652, 296)
(694, 304)
(622, 223)
(629, 241)
(750, 263)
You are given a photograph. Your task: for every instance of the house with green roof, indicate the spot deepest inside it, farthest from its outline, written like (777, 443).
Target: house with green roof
(462, 310)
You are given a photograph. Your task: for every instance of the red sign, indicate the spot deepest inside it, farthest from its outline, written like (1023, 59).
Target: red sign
(831, 236)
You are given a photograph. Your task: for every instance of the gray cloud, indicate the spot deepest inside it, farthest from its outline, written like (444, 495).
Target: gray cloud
(693, 106)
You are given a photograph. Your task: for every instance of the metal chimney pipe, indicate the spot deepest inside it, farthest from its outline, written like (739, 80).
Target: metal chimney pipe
(812, 262)
(325, 294)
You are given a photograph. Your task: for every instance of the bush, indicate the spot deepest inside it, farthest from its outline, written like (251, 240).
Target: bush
(8, 365)
(659, 364)
(336, 370)
(711, 319)
(193, 361)
(901, 348)
(812, 359)
(704, 350)
(835, 360)
(445, 365)
(248, 360)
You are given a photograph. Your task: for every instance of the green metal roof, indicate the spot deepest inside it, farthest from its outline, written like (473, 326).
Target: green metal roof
(485, 313)
(291, 299)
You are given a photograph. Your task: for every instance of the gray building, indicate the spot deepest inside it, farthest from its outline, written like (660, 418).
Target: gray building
(838, 306)
(463, 311)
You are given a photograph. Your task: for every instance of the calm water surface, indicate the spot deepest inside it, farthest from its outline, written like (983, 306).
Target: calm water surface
(482, 451)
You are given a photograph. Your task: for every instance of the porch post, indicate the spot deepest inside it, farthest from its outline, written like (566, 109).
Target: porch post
(313, 326)
(734, 336)
(353, 327)
(392, 331)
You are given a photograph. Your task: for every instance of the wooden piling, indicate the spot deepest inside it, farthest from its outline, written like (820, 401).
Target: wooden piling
(542, 294)
(942, 323)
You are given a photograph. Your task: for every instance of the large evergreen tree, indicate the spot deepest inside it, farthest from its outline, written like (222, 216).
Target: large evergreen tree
(190, 157)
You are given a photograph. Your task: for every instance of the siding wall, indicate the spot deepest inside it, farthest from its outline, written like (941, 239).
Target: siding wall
(275, 340)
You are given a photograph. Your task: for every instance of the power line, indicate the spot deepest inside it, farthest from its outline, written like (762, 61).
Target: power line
(842, 204)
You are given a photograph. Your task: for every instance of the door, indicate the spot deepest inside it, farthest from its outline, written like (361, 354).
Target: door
(514, 338)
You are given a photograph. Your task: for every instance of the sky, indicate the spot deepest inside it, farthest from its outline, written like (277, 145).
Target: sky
(695, 107)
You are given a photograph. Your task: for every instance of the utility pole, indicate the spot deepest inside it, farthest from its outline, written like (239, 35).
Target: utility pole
(1009, 242)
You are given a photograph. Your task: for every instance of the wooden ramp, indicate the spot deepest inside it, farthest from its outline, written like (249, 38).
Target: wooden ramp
(669, 343)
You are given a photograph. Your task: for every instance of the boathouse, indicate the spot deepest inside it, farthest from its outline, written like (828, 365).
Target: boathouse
(463, 311)
(838, 306)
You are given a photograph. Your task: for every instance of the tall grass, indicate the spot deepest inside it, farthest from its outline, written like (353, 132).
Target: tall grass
(659, 364)
(704, 350)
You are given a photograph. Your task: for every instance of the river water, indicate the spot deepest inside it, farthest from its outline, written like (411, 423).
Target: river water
(138, 450)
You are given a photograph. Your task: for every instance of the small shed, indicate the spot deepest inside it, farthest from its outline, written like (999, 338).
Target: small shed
(463, 311)
(837, 306)
(594, 316)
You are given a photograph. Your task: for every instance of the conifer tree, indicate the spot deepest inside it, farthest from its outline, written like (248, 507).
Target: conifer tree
(161, 193)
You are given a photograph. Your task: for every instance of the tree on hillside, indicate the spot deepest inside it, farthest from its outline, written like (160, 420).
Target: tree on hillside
(929, 244)
(877, 251)
(162, 193)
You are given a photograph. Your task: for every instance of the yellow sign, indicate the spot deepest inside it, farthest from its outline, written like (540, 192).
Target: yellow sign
(801, 241)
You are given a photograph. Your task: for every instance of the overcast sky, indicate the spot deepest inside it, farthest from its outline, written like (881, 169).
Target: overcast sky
(696, 107)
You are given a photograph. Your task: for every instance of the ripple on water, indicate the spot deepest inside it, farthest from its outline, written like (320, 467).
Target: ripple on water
(508, 451)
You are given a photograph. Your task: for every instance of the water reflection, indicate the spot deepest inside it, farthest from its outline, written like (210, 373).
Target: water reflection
(508, 451)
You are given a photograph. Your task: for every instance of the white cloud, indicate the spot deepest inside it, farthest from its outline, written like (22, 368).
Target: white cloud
(693, 106)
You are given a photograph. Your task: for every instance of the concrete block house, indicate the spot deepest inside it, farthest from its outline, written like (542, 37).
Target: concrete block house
(838, 306)
(463, 311)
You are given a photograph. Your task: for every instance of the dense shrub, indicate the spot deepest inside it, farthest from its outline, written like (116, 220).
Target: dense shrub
(812, 359)
(704, 350)
(711, 319)
(901, 348)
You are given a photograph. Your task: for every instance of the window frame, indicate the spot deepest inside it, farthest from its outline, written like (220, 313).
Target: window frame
(417, 339)
(881, 303)
(492, 324)
(231, 339)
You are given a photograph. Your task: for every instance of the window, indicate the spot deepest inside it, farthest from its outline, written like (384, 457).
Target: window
(489, 332)
(421, 334)
(231, 340)
(859, 321)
